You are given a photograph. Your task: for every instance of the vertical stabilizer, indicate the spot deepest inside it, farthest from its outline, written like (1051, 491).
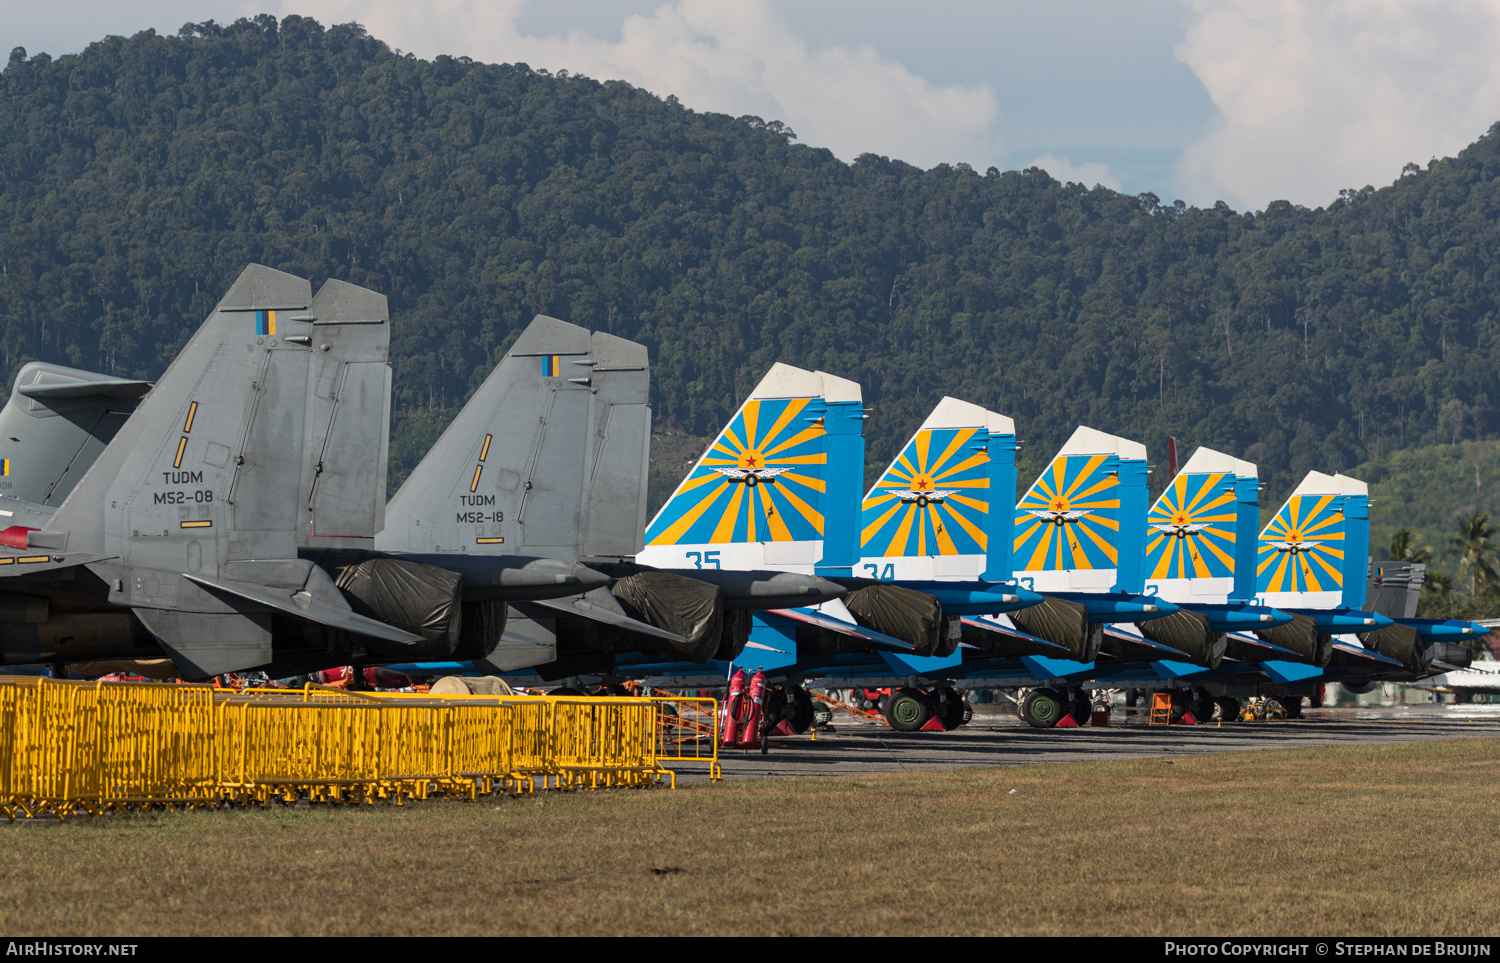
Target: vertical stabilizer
(1081, 526)
(56, 422)
(509, 475)
(930, 514)
(1193, 544)
(348, 418)
(757, 497)
(1313, 553)
(615, 514)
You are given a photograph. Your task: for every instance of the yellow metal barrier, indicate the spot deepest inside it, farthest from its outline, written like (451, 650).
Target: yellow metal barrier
(68, 747)
(687, 730)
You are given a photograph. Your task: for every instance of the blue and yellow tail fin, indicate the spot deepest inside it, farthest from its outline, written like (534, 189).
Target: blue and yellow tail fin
(929, 515)
(1081, 525)
(1314, 553)
(1199, 546)
(768, 491)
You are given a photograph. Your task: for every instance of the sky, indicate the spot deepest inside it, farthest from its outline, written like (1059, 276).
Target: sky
(1244, 101)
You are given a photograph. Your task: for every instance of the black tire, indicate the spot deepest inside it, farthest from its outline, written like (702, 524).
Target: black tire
(1292, 705)
(1203, 706)
(1041, 709)
(800, 706)
(1132, 698)
(907, 710)
(950, 708)
(1082, 708)
(1315, 701)
(1229, 709)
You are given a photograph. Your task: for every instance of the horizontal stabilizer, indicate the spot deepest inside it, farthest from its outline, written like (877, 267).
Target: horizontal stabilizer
(850, 629)
(601, 606)
(308, 607)
(1360, 652)
(985, 625)
(121, 388)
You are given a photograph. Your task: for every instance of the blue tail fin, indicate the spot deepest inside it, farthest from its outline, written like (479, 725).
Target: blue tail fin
(1315, 551)
(779, 486)
(1081, 526)
(1200, 544)
(942, 509)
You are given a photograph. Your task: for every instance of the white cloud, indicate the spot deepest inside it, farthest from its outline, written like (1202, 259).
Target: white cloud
(735, 58)
(1089, 175)
(1319, 95)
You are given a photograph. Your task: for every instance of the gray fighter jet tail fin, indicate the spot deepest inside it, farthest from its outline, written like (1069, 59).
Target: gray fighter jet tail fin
(54, 425)
(510, 475)
(219, 464)
(614, 521)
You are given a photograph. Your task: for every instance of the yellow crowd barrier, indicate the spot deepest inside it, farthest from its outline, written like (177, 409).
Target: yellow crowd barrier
(89, 747)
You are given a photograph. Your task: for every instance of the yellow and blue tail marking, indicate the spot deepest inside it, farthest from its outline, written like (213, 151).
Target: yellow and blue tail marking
(265, 322)
(1302, 550)
(1070, 519)
(551, 366)
(762, 480)
(932, 499)
(1192, 528)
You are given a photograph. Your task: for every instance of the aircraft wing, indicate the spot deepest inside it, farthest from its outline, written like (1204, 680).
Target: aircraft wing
(828, 622)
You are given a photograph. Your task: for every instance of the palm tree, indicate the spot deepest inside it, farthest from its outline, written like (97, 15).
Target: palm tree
(1475, 548)
(1402, 549)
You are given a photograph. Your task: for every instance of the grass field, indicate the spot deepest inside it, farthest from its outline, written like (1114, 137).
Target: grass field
(1384, 840)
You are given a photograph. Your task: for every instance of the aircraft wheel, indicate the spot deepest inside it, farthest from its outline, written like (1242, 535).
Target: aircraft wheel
(1041, 709)
(1229, 709)
(907, 710)
(1203, 706)
(1315, 701)
(951, 708)
(1082, 708)
(1132, 698)
(800, 703)
(1292, 706)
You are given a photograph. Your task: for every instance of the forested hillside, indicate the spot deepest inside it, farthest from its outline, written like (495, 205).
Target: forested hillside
(138, 178)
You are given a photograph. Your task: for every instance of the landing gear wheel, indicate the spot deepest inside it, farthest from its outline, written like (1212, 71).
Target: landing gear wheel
(1082, 708)
(1292, 705)
(1132, 698)
(1041, 708)
(907, 710)
(1315, 701)
(800, 704)
(951, 708)
(1203, 706)
(1229, 709)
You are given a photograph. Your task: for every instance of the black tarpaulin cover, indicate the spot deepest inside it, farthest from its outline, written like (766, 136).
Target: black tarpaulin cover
(1059, 621)
(422, 599)
(1399, 642)
(681, 605)
(1301, 636)
(1189, 632)
(482, 626)
(903, 613)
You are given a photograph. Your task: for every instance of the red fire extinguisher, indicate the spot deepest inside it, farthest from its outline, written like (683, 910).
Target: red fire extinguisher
(733, 706)
(750, 734)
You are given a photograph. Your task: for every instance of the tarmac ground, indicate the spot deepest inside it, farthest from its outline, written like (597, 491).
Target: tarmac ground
(997, 738)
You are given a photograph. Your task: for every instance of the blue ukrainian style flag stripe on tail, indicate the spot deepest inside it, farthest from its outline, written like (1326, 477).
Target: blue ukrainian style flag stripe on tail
(265, 322)
(762, 480)
(1069, 519)
(551, 366)
(1302, 550)
(932, 499)
(1191, 532)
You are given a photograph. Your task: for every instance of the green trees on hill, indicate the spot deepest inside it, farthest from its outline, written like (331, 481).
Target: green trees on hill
(137, 179)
